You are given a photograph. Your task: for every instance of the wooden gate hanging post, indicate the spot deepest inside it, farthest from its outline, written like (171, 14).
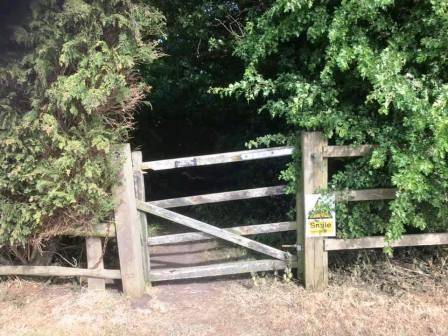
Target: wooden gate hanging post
(313, 259)
(128, 230)
(139, 185)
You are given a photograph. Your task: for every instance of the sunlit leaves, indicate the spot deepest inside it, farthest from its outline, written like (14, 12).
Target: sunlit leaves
(372, 71)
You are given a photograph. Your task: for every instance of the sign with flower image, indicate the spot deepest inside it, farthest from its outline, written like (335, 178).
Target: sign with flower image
(320, 217)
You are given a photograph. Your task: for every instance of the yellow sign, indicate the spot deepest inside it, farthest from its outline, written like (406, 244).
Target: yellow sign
(320, 220)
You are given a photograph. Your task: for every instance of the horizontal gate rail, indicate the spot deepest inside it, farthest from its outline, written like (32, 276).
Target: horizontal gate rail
(348, 196)
(204, 160)
(212, 230)
(251, 154)
(422, 239)
(239, 230)
(221, 269)
(220, 197)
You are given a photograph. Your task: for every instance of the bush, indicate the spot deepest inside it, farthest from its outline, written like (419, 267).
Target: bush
(362, 72)
(67, 94)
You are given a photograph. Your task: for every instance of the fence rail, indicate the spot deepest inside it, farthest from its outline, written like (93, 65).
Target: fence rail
(204, 160)
(346, 151)
(59, 271)
(366, 195)
(421, 239)
(97, 231)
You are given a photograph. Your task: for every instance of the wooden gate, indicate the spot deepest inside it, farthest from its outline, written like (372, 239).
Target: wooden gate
(312, 256)
(278, 259)
(312, 253)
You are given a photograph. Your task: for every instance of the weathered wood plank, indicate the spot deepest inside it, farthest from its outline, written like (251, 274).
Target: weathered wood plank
(49, 271)
(313, 260)
(239, 230)
(220, 197)
(94, 249)
(203, 160)
(100, 230)
(139, 186)
(213, 231)
(423, 239)
(366, 195)
(220, 269)
(350, 196)
(347, 151)
(129, 235)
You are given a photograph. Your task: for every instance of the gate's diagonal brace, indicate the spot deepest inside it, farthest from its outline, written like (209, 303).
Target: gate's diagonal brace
(213, 231)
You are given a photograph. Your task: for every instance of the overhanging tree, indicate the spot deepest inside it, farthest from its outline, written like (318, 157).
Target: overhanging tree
(362, 72)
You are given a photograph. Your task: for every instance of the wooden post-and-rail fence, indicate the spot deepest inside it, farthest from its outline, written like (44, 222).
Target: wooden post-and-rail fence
(131, 227)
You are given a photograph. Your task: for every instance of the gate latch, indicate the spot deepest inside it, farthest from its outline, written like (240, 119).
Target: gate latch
(295, 246)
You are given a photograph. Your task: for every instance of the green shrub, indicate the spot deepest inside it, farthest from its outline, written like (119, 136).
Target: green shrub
(67, 94)
(372, 71)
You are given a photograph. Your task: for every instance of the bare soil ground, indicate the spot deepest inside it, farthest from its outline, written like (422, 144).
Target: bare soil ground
(352, 305)
(370, 295)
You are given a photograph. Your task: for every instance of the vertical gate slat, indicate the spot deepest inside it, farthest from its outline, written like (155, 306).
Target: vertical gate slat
(139, 184)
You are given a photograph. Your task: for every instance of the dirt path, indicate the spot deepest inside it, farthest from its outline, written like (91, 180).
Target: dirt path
(220, 308)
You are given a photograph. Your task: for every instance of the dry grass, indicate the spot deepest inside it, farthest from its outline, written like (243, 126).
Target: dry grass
(356, 303)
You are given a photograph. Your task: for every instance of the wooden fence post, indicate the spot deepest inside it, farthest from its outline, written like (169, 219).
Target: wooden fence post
(94, 249)
(128, 229)
(139, 184)
(313, 260)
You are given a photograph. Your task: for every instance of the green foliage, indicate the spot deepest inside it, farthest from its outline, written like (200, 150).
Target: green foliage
(184, 119)
(362, 72)
(200, 36)
(66, 95)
